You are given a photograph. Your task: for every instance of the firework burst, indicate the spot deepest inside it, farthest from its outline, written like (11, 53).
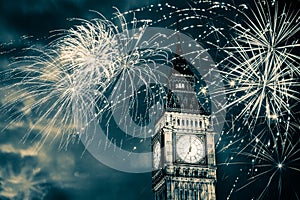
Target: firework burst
(23, 185)
(274, 162)
(261, 74)
(263, 67)
(267, 160)
(69, 84)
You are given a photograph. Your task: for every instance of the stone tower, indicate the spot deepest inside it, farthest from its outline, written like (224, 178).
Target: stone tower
(183, 146)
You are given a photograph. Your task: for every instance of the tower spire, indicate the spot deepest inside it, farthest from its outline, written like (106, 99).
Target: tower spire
(179, 63)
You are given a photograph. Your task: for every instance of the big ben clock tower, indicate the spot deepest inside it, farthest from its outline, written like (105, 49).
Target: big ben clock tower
(184, 166)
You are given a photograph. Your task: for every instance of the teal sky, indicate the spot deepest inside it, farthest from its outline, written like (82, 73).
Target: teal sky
(73, 173)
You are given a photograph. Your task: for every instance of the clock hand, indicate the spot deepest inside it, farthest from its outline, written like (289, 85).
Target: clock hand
(186, 156)
(187, 152)
(190, 150)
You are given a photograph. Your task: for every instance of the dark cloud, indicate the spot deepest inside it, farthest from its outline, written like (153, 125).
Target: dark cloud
(67, 174)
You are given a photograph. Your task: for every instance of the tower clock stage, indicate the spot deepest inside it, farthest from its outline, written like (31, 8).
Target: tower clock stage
(184, 158)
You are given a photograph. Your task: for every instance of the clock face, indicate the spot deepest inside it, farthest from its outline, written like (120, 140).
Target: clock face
(190, 148)
(156, 155)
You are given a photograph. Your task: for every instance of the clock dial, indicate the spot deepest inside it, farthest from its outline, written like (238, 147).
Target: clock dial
(190, 148)
(156, 155)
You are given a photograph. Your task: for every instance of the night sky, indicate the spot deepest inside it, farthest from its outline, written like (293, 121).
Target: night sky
(74, 173)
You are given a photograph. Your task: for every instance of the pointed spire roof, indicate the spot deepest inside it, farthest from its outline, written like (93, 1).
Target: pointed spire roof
(179, 63)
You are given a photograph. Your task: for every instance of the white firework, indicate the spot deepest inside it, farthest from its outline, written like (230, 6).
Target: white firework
(264, 162)
(65, 86)
(263, 66)
(272, 162)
